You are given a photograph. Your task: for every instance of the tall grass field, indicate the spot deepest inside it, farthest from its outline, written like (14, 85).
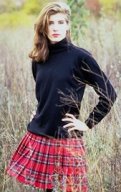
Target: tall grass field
(17, 101)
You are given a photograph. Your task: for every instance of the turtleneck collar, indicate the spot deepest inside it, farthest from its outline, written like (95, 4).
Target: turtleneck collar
(59, 46)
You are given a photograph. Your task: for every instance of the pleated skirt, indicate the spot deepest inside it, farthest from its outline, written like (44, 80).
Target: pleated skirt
(49, 163)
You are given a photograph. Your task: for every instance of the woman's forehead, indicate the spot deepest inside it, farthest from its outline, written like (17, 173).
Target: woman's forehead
(57, 16)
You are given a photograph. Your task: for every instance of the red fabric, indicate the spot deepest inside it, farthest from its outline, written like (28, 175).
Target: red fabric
(50, 163)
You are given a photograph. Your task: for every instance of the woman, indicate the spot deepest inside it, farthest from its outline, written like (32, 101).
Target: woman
(51, 156)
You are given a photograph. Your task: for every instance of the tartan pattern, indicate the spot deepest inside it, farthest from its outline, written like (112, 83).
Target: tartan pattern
(44, 162)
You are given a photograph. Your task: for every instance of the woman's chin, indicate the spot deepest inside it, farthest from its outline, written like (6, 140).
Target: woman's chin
(56, 39)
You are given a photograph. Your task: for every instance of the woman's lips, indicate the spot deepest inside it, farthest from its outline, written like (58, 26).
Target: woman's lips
(55, 35)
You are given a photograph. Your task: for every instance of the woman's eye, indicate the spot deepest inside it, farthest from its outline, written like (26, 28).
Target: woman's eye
(50, 22)
(61, 22)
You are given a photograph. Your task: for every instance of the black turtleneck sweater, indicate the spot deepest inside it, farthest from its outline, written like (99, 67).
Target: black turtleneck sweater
(60, 85)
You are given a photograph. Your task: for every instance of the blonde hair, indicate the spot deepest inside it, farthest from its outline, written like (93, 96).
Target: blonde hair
(40, 49)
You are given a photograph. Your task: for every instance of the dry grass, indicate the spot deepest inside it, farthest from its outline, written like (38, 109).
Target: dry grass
(17, 100)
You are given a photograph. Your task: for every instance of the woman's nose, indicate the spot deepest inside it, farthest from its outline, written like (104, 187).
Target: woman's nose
(55, 27)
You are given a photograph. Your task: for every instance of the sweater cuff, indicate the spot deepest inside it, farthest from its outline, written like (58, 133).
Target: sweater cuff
(90, 123)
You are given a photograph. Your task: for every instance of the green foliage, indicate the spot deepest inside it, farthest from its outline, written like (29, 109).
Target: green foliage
(79, 17)
(13, 16)
(33, 6)
(110, 7)
(17, 18)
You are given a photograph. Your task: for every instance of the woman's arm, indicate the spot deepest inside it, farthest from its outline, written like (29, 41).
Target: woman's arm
(96, 78)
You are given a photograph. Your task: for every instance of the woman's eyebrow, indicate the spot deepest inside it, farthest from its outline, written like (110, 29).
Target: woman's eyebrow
(56, 20)
(61, 20)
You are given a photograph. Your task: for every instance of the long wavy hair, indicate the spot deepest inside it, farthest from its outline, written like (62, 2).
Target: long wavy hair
(40, 49)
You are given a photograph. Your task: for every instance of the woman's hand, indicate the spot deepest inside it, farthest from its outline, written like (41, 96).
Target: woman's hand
(32, 115)
(74, 124)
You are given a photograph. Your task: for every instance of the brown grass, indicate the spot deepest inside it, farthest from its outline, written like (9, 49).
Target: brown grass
(17, 101)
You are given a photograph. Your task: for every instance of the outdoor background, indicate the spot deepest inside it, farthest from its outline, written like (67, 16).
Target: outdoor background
(96, 26)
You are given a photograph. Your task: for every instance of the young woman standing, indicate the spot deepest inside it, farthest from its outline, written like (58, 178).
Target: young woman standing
(51, 156)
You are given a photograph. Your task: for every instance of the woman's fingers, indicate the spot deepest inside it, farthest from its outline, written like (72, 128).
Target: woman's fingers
(73, 123)
(70, 115)
(68, 125)
(71, 129)
(67, 119)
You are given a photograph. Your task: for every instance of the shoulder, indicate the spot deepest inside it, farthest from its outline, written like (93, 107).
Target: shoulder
(84, 58)
(80, 52)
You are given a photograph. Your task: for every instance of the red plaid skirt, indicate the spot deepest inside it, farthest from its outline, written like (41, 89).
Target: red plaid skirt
(49, 163)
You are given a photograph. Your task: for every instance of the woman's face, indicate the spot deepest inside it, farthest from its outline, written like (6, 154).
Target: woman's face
(57, 27)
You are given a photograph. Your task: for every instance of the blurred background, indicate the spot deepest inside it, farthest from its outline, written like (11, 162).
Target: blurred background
(96, 26)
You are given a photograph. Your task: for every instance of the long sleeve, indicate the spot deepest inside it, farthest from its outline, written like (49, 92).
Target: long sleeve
(96, 78)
